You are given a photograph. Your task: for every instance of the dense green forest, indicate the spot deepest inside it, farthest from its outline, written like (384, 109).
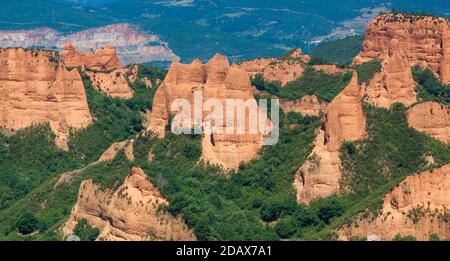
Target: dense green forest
(430, 88)
(340, 52)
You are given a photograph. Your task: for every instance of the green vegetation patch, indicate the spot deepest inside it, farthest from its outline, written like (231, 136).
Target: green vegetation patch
(50, 205)
(367, 71)
(393, 150)
(324, 86)
(85, 231)
(27, 159)
(340, 52)
(430, 88)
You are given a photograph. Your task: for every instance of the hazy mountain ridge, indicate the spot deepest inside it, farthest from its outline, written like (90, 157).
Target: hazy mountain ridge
(207, 27)
(132, 46)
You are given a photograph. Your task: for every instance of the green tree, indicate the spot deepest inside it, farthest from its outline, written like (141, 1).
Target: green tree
(85, 231)
(434, 237)
(329, 208)
(367, 71)
(287, 227)
(27, 224)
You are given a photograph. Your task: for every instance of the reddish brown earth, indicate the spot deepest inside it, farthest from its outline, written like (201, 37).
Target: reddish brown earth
(282, 70)
(425, 40)
(431, 118)
(394, 83)
(344, 121)
(308, 105)
(131, 212)
(113, 83)
(418, 207)
(36, 87)
(103, 59)
(103, 68)
(216, 79)
(328, 68)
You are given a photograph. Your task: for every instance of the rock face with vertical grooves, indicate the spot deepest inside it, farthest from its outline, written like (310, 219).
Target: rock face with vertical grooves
(36, 87)
(424, 39)
(344, 121)
(216, 79)
(431, 118)
(131, 212)
(103, 68)
(394, 83)
(419, 207)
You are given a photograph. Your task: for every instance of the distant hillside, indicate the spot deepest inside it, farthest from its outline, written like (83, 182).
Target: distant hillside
(242, 29)
(340, 52)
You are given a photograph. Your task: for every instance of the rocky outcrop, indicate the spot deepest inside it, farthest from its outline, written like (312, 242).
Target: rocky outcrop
(113, 83)
(328, 68)
(425, 40)
(111, 153)
(131, 73)
(132, 212)
(344, 121)
(431, 118)
(35, 87)
(103, 68)
(103, 59)
(394, 83)
(282, 70)
(419, 207)
(308, 105)
(216, 79)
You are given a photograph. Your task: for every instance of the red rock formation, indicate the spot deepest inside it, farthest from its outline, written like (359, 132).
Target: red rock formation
(111, 153)
(36, 87)
(328, 68)
(425, 40)
(431, 118)
(103, 68)
(132, 212)
(298, 54)
(282, 70)
(308, 105)
(217, 79)
(344, 121)
(394, 83)
(103, 59)
(113, 83)
(419, 206)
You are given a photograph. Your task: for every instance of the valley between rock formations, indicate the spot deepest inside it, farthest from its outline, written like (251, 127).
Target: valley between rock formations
(38, 86)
